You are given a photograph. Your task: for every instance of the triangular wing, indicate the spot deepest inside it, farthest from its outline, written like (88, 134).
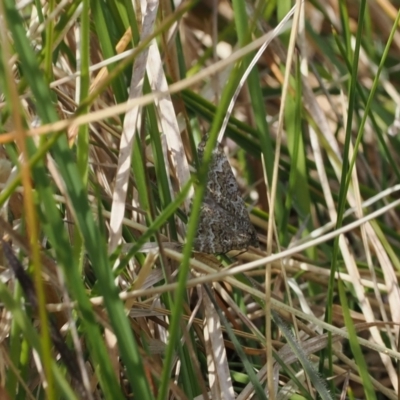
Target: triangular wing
(224, 220)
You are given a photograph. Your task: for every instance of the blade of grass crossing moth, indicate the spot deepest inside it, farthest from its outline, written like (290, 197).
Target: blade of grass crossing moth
(191, 231)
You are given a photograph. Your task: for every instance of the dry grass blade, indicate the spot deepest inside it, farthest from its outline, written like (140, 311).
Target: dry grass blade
(168, 120)
(217, 363)
(128, 134)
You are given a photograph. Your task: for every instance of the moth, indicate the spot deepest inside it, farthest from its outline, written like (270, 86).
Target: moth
(224, 220)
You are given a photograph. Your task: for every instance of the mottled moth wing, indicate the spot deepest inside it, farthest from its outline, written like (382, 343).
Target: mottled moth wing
(224, 220)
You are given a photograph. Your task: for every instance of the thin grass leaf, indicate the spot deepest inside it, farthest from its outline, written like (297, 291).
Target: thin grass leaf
(32, 336)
